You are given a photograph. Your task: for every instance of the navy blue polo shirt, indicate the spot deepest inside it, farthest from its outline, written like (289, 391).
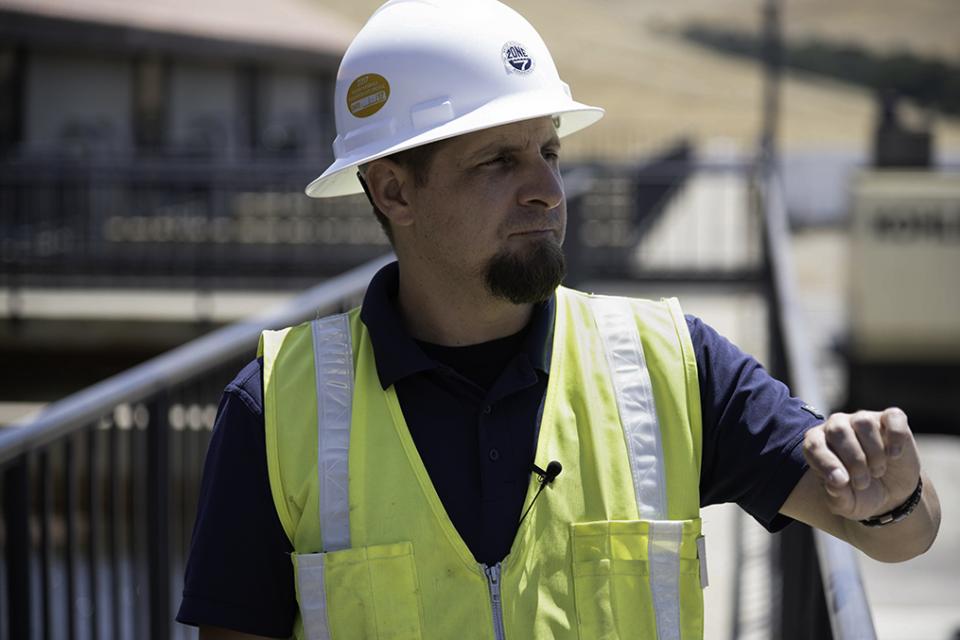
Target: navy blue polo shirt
(472, 412)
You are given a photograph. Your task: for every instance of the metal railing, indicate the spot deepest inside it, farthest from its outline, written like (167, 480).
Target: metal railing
(99, 491)
(150, 222)
(846, 603)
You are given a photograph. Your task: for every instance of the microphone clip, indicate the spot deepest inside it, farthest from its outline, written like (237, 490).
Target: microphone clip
(549, 474)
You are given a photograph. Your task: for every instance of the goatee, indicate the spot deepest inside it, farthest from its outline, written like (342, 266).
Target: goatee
(525, 277)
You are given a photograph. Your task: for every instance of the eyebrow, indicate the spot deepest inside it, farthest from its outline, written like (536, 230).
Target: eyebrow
(501, 146)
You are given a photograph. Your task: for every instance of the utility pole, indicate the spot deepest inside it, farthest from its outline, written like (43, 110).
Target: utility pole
(772, 64)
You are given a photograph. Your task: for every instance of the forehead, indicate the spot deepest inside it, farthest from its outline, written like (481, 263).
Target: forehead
(516, 134)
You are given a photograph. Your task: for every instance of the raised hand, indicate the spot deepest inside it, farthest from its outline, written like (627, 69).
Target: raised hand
(867, 461)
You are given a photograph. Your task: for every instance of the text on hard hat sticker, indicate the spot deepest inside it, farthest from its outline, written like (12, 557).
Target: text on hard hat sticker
(367, 95)
(516, 59)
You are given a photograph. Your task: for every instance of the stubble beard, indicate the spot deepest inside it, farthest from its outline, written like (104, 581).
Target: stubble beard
(525, 277)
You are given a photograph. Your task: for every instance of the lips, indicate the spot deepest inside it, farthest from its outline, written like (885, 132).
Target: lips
(542, 226)
(533, 231)
(530, 224)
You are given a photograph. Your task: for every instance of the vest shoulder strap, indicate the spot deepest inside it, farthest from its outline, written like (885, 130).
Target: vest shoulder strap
(314, 360)
(653, 371)
(635, 403)
(333, 362)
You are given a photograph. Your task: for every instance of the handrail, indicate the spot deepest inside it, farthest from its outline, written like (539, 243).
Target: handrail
(202, 354)
(847, 604)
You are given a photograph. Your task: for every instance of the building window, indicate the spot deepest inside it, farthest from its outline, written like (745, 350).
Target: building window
(150, 90)
(11, 98)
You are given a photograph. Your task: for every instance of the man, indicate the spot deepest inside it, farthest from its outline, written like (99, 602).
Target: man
(477, 453)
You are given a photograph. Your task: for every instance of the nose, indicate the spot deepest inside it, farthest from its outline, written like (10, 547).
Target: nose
(542, 185)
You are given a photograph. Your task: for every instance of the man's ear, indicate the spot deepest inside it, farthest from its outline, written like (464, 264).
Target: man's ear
(387, 182)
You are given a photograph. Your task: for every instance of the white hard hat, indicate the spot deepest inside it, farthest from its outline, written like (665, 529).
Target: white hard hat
(424, 70)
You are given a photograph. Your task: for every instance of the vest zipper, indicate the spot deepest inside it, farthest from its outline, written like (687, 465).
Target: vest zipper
(493, 582)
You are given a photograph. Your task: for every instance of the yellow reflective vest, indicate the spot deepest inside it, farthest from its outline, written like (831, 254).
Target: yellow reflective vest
(611, 549)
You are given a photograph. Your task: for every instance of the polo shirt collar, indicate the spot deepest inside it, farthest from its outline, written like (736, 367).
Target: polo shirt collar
(398, 356)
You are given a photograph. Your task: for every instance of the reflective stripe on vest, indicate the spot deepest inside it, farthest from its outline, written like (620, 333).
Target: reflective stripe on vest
(664, 555)
(634, 392)
(333, 359)
(641, 429)
(333, 363)
(311, 578)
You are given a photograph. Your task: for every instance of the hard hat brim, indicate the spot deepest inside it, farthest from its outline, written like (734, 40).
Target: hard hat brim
(340, 177)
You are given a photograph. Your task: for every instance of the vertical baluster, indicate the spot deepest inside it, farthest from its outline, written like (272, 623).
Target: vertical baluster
(180, 465)
(136, 507)
(158, 516)
(187, 506)
(113, 523)
(4, 573)
(16, 510)
(93, 517)
(58, 603)
(46, 514)
(70, 519)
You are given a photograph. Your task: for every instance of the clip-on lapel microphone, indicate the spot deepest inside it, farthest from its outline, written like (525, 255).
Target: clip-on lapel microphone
(546, 477)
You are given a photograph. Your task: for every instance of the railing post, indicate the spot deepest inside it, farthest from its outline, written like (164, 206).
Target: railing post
(158, 516)
(93, 527)
(16, 515)
(803, 608)
(573, 243)
(45, 512)
(800, 602)
(806, 610)
(70, 542)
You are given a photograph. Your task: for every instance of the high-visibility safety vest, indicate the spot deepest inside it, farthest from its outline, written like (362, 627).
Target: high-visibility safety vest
(612, 547)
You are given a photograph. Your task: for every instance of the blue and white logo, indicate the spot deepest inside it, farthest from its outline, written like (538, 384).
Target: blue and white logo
(516, 59)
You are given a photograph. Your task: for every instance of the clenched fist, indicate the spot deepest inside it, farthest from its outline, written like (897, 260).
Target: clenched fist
(866, 461)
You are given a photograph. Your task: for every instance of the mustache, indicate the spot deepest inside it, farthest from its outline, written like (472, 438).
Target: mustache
(526, 222)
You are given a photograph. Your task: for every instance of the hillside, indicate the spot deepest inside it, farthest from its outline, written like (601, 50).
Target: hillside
(629, 58)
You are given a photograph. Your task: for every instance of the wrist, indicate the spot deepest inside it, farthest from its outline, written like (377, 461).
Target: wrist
(899, 512)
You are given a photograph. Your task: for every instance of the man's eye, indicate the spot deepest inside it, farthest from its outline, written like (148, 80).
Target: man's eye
(495, 161)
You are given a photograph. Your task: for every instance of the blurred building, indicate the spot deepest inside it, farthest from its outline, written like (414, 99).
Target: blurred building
(102, 78)
(161, 142)
(153, 156)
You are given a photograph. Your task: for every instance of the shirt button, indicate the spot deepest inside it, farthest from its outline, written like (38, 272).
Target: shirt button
(494, 455)
(487, 409)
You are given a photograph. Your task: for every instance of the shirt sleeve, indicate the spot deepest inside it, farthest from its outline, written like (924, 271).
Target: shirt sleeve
(752, 430)
(239, 575)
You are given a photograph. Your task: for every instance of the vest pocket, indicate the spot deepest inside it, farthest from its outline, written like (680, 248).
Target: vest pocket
(366, 592)
(637, 579)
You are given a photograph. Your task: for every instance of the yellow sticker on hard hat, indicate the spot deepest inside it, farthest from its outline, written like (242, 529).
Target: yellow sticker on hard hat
(367, 95)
